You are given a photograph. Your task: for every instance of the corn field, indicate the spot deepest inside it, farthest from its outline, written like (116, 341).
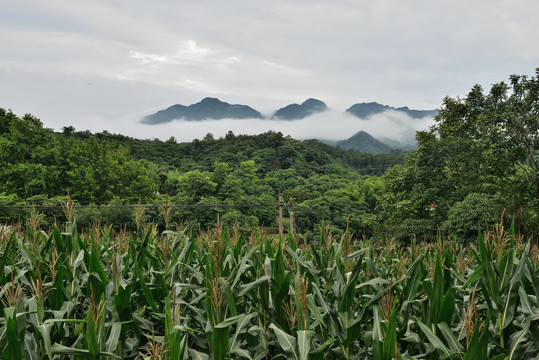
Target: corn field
(97, 294)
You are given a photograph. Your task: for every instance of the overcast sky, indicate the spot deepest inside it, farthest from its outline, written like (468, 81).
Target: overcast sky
(103, 64)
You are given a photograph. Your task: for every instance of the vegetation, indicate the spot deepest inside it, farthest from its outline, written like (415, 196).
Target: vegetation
(479, 160)
(166, 250)
(105, 294)
(104, 171)
(482, 156)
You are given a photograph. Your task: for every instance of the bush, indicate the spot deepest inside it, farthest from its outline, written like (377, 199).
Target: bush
(475, 212)
(420, 228)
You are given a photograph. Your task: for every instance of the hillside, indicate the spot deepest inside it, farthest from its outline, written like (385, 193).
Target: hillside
(364, 142)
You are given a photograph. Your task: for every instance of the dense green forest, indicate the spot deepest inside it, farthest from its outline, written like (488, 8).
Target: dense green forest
(479, 159)
(328, 184)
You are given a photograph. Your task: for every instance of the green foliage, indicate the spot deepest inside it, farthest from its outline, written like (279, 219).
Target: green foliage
(36, 161)
(475, 212)
(483, 144)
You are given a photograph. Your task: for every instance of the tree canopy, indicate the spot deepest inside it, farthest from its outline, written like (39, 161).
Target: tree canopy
(485, 144)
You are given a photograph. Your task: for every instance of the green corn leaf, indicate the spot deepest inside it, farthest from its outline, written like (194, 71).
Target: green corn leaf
(447, 308)
(474, 277)
(241, 352)
(304, 338)
(91, 336)
(373, 282)
(320, 352)
(279, 272)
(5, 257)
(525, 303)
(219, 342)
(114, 337)
(413, 279)
(390, 339)
(58, 349)
(314, 309)
(248, 287)
(436, 295)
(286, 342)
(489, 274)
(450, 338)
(31, 349)
(305, 265)
(505, 268)
(230, 300)
(147, 293)
(377, 333)
(243, 265)
(350, 289)
(45, 333)
(434, 340)
(354, 331)
(196, 355)
(229, 321)
(534, 278)
(511, 300)
(13, 349)
(515, 350)
(240, 328)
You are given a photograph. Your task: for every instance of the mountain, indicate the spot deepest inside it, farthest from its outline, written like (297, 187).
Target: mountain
(401, 145)
(208, 108)
(296, 111)
(363, 110)
(364, 142)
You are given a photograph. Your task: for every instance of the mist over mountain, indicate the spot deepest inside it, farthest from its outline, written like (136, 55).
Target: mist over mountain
(215, 109)
(297, 111)
(381, 129)
(364, 110)
(208, 108)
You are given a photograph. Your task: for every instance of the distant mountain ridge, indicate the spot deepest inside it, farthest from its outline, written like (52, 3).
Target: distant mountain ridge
(215, 109)
(296, 111)
(208, 108)
(364, 110)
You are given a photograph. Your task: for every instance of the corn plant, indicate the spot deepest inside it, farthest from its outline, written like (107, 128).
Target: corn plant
(98, 294)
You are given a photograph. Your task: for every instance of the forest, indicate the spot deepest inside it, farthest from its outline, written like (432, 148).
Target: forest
(479, 159)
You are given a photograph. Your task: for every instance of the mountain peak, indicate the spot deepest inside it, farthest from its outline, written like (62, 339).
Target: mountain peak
(210, 100)
(296, 111)
(363, 110)
(207, 108)
(364, 142)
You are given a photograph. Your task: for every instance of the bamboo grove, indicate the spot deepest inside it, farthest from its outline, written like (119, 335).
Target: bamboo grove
(97, 293)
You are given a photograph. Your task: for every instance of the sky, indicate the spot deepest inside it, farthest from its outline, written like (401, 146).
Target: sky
(104, 64)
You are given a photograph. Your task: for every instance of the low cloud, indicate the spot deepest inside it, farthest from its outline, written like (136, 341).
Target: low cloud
(329, 125)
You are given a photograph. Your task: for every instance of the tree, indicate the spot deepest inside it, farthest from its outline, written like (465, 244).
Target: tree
(486, 144)
(98, 173)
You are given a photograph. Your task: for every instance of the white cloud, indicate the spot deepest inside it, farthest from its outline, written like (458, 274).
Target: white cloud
(187, 51)
(150, 58)
(199, 86)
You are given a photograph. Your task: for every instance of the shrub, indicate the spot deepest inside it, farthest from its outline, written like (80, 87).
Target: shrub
(475, 212)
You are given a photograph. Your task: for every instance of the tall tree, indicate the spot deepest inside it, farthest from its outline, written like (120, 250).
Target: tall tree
(486, 144)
